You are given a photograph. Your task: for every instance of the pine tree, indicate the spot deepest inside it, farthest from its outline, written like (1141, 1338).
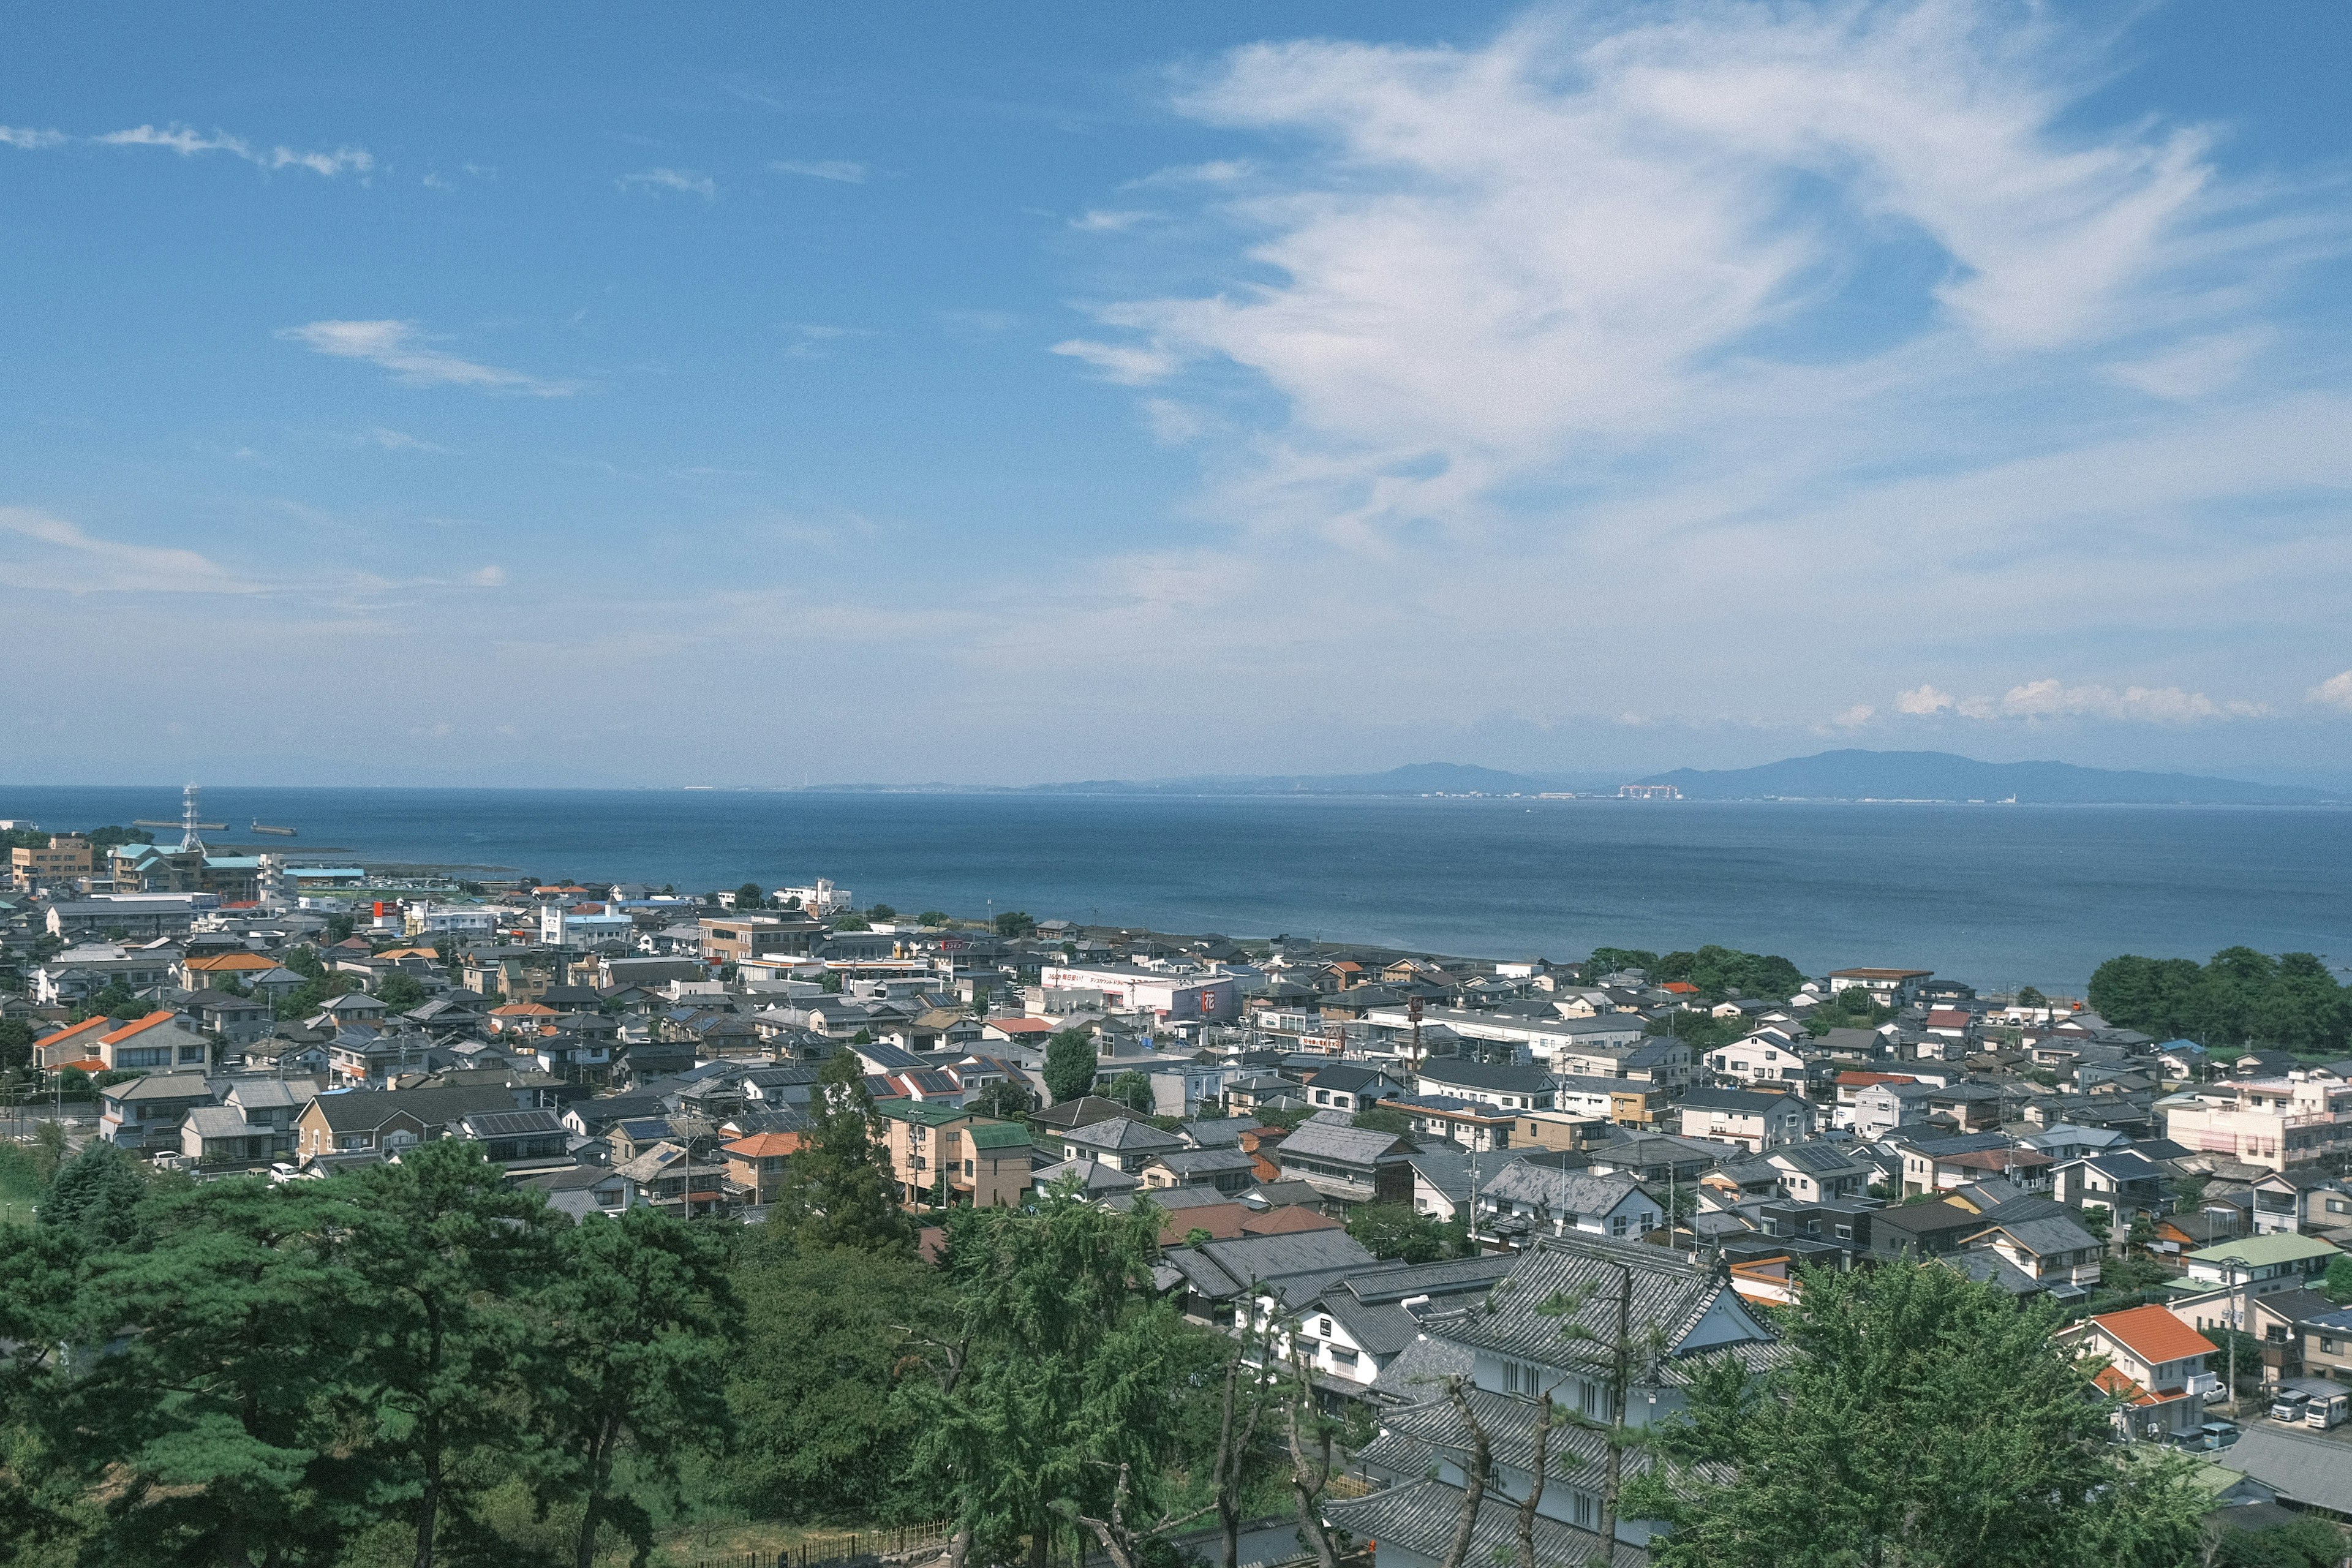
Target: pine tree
(640, 1316)
(838, 1190)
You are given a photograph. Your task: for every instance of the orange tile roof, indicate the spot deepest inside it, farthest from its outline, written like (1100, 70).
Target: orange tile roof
(1865, 1079)
(1020, 1025)
(100, 1024)
(1680, 988)
(761, 1144)
(88, 1064)
(229, 960)
(521, 1009)
(161, 1016)
(2154, 1334)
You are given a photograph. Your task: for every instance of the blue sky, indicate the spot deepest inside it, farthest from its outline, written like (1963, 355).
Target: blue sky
(1053, 391)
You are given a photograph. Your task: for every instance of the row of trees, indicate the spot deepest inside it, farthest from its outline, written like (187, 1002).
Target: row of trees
(1719, 973)
(241, 1374)
(2241, 997)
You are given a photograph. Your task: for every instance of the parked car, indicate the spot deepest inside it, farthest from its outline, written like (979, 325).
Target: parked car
(2210, 1437)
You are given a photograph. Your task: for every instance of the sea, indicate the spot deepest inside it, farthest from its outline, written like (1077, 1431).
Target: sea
(1996, 896)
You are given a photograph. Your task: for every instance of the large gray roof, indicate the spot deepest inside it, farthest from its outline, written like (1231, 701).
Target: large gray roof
(1559, 1193)
(1328, 1140)
(1121, 1135)
(1670, 1294)
(1420, 1519)
(2308, 1470)
(1285, 1262)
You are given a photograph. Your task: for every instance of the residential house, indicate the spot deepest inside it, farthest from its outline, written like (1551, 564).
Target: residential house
(2053, 1250)
(1121, 1142)
(1347, 1165)
(1357, 1326)
(756, 1166)
(519, 1140)
(1925, 1230)
(234, 1020)
(1350, 1086)
(1463, 1122)
(1817, 1171)
(1765, 1057)
(2302, 1201)
(669, 1178)
(2257, 1265)
(2302, 1119)
(1509, 1088)
(221, 969)
(944, 1152)
(1887, 987)
(160, 1042)
(1524, 1201)
(1219, 1170)
(220, 1135)
(2156, 1366)
(146, 1113)
(1753, 1120)
(382, 1122)
(1517, 1348)
(2303, 1334)
(1881, 1108)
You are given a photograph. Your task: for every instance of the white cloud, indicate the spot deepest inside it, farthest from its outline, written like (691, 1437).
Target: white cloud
(812, 339)
(188, 142)
(50, 555)
(1110, 221)
(1127, 364)
(687, 180)
(489, 577)
(1215, 172)
(2053, 698)
(396, 440)
(27, 137)
(1856, 717)
(1922, 699)
(2336, 691)
(400, 348)
(839, 170)
(2194, 368)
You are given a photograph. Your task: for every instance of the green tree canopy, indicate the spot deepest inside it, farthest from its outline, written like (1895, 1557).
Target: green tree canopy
(1130, 1088)
(1925, 1419)
(2241, 997)
(838, 1190)
(881, 914)
(401, 991)
(821, 1431)
(750, 897)
(639, 1318)
(1395, 1230)
(1014, 923)
(1070, 1064)
(96, 1195)
(932, 918)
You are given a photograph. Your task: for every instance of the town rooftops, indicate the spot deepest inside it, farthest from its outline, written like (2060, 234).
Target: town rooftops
(233, 962)
(1882, 975)
(762, 1145)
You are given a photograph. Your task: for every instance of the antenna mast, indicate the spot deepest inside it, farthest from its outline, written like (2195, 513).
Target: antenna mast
(191, 799)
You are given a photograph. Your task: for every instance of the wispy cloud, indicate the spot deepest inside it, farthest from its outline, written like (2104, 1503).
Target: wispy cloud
(189, 142)
(688, 181)
(39, 552)
(839, 170)
(2053, 698)
(400, 348)
(25, 137)
(1111, 220)
(811, 340)
(394, 440)
(1129, 364)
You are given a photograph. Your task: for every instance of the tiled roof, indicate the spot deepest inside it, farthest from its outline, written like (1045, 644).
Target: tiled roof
(1670, 1295)
(1420, 1519)
(763, 1144)
(2154, 1334)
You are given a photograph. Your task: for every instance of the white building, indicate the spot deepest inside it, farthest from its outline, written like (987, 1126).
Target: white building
(821, 901)
(1125, 988)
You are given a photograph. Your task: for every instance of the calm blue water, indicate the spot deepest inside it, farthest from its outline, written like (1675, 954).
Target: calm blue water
(1998, 896)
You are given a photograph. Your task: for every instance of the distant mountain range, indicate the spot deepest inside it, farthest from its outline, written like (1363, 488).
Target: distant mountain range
(1940, 776)
(1414, 778)
(1829, 776)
